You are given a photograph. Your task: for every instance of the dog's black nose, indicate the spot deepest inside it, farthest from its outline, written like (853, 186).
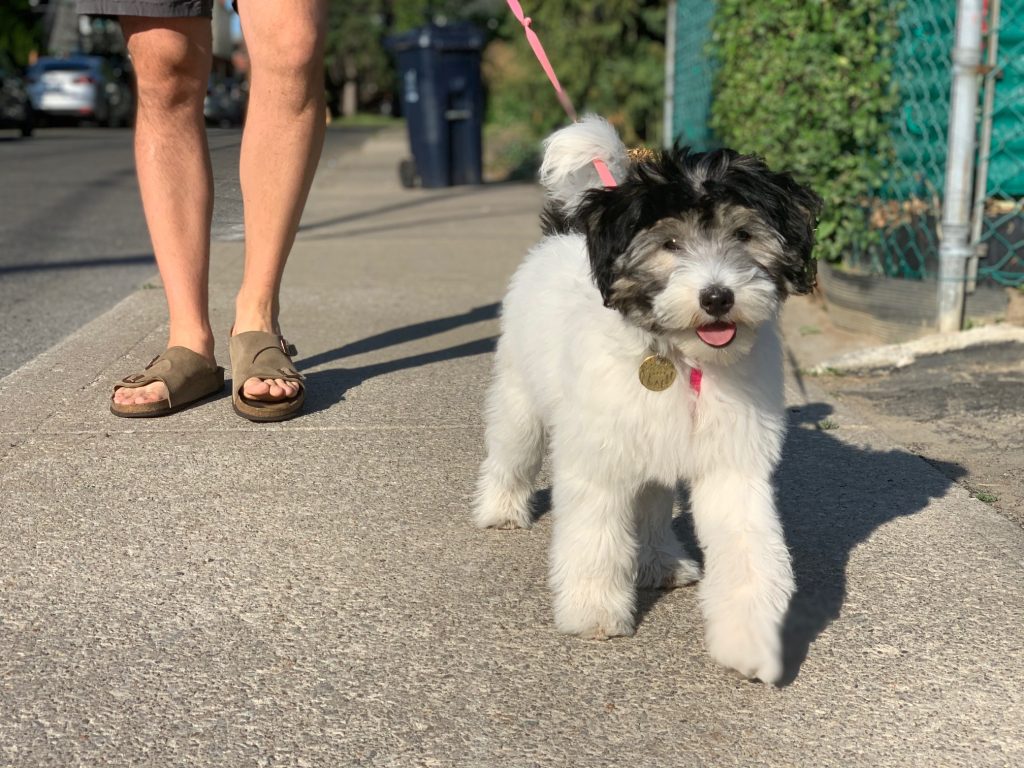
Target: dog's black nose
(717, 300)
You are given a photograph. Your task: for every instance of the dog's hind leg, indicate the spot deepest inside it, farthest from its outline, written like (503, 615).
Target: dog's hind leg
(515, 449)
(662, 564)
(593, 553)
(748, 578)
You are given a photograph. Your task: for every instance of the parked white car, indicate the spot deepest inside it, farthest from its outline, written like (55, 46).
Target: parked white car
(81, 88)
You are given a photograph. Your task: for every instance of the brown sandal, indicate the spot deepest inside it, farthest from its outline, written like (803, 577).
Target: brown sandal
(255, 354)
(189, 378)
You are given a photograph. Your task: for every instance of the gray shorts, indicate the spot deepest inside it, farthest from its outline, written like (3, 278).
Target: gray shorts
(164, 9)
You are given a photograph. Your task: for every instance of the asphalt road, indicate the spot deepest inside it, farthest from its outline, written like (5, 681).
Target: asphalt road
(73, 241)
(959, 411)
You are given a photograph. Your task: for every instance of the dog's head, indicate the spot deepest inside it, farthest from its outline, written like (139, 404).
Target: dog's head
(700, 248)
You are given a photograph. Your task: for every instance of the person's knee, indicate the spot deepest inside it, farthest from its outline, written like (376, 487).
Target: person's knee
(295, 52)
(171, 69)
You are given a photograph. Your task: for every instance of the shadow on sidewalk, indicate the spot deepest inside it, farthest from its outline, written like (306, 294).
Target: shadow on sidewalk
(418, 224)
(402, 335)
(425, 198)
(111, 261)
(328, 387)
(832, 497)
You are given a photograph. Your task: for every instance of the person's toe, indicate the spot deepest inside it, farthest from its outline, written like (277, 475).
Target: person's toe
(279, 389)
(270, 389)
(154, 393)
(151, 393)
(255, 388)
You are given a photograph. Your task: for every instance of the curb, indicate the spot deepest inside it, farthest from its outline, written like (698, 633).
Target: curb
(901, 355)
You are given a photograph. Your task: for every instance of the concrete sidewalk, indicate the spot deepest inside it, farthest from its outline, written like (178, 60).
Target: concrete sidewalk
(199, 590)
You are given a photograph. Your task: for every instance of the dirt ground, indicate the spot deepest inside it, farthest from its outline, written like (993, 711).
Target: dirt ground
(962, 409)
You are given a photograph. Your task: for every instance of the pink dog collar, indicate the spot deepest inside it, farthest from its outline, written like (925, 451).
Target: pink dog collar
(696, 374)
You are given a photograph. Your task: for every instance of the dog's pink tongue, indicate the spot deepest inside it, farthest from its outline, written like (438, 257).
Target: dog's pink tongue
(717, 334)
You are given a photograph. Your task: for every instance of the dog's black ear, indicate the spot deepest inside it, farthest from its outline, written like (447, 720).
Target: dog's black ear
(608, 218)
(789, 206)
(796, 219)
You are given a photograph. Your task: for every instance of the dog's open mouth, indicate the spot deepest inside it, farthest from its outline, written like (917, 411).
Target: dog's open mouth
(717, 334)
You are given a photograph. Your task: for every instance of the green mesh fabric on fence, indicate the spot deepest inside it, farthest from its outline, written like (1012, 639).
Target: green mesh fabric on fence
(1006, 172)
(691, 108)
(905, 212)
(1002, 227)
(921, 72)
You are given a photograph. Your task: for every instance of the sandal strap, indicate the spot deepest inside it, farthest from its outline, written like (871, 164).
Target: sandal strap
(186, 374)
(260, 355)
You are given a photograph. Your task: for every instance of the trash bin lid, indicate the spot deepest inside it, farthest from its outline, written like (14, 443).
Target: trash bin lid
(460, 36)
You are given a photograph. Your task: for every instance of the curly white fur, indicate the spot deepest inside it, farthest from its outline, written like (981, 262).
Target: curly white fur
(567, 170)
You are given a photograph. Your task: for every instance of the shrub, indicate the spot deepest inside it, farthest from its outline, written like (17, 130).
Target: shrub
(807, 86)
(20, 30)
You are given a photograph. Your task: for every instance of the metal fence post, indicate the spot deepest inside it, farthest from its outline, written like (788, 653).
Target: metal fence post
(978, 248)
(954, 250)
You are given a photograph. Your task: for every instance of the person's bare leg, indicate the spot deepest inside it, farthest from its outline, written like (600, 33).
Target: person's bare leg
(171, 58)
(284, 133)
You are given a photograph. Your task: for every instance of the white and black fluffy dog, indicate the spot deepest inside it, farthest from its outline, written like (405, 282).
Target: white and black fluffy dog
(685, 264)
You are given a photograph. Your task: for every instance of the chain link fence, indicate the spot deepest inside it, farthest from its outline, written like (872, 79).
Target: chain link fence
(999, 212)
(903, 216)
(902, 239)
(693, 72)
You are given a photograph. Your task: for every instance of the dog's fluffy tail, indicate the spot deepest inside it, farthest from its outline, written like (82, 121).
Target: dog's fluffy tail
(568, 168)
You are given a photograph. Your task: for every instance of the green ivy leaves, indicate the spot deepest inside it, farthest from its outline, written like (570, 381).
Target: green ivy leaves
(808, 86)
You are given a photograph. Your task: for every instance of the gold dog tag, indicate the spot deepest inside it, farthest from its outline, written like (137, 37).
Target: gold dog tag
(657, 373)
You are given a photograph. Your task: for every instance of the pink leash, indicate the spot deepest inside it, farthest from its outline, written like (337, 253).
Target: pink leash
(602, 169)
(538, 50)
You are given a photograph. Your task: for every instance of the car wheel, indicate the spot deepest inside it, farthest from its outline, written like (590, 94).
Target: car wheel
(104, 116)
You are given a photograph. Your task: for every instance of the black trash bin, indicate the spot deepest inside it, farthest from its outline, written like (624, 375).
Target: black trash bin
(442, 98)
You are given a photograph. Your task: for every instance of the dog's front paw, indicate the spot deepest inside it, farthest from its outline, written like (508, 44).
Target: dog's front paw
(504, 509)
(668, 573)
(594, 628)
(592, 621)
(753, 651)
(502, 519)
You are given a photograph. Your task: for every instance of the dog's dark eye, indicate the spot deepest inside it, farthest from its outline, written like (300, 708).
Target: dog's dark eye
(671, 245)
(742, 235)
